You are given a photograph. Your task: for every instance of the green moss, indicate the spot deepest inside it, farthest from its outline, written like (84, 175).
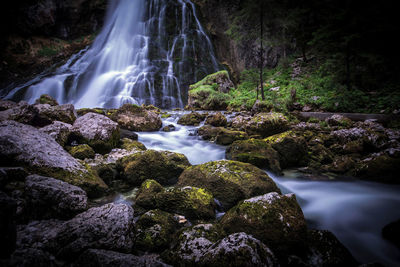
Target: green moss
(46, 99)
(130, 145)
(83, 111)
(192, 118)
(210, 79)
(165, 115)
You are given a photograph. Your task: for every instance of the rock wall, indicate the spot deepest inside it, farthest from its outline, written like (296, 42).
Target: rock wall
(216, 17)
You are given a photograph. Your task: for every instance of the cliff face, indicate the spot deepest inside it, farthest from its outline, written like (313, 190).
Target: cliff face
(235, 55)
(38, 34)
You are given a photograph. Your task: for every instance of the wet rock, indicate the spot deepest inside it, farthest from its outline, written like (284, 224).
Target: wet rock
(128, 134)
(216, 120)
(339, 120)
(239, 249)
(82, 151)
(59, 131)
(228, 181)
(98, 131)
(391, 232)
(108, 258)
(192, 244)
(25, 145)
(379, 167)
(276, 220)
(291, 147)
(51, 198)
(227, 137)
(136, 118)
(155, 230)
(8, 230)
(7, 104)
(107, 227)
(146, 197)
(256, 152)
(21, 112)
(47, 113)
(326, 250)
(163, 166)
(192, 118)
(169, 128)
(46, 99)
(132, 145)
(263, 124)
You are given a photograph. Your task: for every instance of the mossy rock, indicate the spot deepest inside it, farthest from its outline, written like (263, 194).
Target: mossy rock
(228, 181)
(380, 168)
(83, 111)
(291, 146)
(256, 152)
(193, 118)
(82, 152)
(339, 120)
(263, 124)
(216, 120)
(46, 99)
(137, 118)
(146, 197)
(132, 145)
(341, 164)
(162, 166)
(208, 132)
(155, 230)
(192, 202)
(319, 155)
(277, 220)
(192, 243)
(227, 137)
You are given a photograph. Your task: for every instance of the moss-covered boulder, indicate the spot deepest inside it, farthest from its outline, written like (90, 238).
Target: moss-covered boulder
(216, 120)
(276, 220)
(256, 152)
(208, 132)
(98, 131)
(229, 181)
(146, 197)
(227, 137)
(48, 113)
(192, 202)
(192, 244)
(162, 166)
(137, 118)
(238, 249)
(379, 167)
(23, 113)
(263, 124)
(341, 164)
(131, 145)
(24, 145)
(82, 151)
(46, 99)
(324, 249)
(211, 92)
(193, 118)
(291, 146)
(155, 230)
(83, 111)
(339, 120)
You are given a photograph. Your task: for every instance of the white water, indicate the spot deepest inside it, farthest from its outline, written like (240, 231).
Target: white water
(355, 211)
(148, 52)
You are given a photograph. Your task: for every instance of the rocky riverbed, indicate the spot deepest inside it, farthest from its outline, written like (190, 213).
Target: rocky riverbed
(61, 169)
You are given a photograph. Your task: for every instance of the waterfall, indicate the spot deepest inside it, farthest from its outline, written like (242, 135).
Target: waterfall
(148, 52)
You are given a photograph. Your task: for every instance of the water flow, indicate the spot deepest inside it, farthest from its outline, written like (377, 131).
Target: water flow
(148, 52)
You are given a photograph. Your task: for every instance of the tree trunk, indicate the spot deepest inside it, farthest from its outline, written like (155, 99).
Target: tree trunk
(261, 52)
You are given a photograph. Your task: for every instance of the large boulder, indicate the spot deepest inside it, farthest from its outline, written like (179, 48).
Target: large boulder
(46, 99)
(220, 135)
(216, 119)
(262, 124)
(379, 167)
(146, 196)
(136, 118)
(193, 118)
(256, 152)
(6, 104)
(39, 153)
(163, 166)
(276, 220)
(155, 230)
(108, 258)
(47, 113)
(98, 131)
(291, 147)
(81, 151)
(228, 181)
(21, 112)
(51, 198)
(59, 131)
(107, 227)
(239, 249)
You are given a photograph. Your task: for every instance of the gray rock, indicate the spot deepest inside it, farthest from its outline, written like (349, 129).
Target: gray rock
(107, 227)
(7, 104)
(39, 153)
(49, 197)
(38, 234)
(30, 257)
(239, 249)
(107, 258)
(59, 131)
(47, 113)
(22, 112)
(98, 131)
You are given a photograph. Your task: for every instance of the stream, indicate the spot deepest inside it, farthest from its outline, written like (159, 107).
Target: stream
(355, 211)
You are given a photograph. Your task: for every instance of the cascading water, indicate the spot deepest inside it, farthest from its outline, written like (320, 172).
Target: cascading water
(148, 52)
